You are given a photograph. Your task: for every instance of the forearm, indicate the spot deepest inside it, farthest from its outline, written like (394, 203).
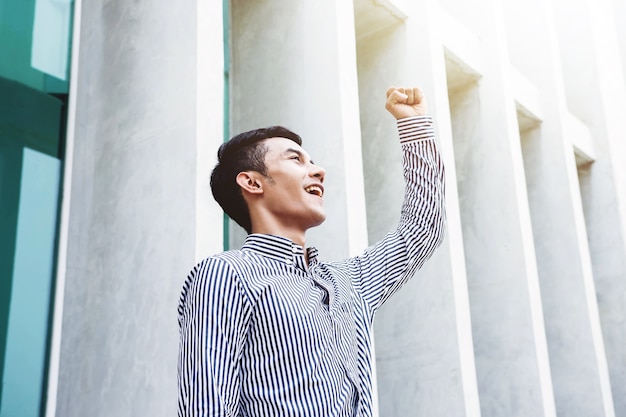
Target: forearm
(422, 219)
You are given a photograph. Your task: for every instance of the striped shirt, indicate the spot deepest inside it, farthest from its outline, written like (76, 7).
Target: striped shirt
(263, 333)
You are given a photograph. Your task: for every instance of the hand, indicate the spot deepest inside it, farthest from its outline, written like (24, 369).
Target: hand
(405, 102)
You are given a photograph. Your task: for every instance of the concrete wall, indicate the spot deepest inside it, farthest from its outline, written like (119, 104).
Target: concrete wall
(521, 312)
(293, 64)
(145, 119)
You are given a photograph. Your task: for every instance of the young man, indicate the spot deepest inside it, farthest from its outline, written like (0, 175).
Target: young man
(270, 330)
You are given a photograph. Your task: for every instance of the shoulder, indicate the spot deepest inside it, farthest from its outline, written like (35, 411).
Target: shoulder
(214, 273)
(213, 286)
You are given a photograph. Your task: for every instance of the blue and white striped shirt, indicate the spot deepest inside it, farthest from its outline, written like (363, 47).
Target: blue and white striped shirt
(264, 334)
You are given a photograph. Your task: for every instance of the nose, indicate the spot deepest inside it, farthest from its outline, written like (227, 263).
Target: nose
(318, 172)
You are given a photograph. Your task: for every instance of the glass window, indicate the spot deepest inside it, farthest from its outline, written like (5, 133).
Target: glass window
(34, 45)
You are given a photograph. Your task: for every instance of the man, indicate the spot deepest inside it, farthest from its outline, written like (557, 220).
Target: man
(270, 330)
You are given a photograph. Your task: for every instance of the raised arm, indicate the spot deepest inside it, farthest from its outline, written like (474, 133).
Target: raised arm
(386, 266)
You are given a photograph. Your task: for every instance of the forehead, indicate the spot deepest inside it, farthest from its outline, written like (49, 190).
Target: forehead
(277, 146)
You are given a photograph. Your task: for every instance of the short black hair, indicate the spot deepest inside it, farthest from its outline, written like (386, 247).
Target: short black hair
(244, 152)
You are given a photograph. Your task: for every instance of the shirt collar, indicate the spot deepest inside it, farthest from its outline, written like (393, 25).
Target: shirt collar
(280, 249)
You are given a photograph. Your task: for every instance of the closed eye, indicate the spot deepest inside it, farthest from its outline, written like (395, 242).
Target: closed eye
(296, 155)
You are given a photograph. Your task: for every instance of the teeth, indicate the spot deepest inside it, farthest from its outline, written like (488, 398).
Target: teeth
(314, 189)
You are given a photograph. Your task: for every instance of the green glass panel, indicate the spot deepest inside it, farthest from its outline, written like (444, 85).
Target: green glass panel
(26, 346)
(35, 46)
(16, 37)
(30, 124)
(17, 18)
(29, 116)
(10, 169)
(51, 33)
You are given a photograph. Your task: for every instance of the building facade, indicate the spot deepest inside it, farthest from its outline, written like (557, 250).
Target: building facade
(112, 115)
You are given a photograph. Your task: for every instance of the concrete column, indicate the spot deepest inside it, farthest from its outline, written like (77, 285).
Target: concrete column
(294, 64)
(577, 358)
(594, 86)
(619, 17)
(143, 119)
(425, 360)
(507, 319)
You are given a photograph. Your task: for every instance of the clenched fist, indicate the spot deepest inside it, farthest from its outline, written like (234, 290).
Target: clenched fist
(405, 102)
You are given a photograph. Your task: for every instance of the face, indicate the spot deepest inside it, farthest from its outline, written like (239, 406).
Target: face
(293, 190)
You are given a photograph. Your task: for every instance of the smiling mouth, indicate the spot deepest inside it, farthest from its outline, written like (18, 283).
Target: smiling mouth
(315, 190)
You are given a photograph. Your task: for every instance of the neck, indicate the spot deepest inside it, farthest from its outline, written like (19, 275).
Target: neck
(296, 236)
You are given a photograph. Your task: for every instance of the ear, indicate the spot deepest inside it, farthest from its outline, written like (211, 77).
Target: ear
(249, 182)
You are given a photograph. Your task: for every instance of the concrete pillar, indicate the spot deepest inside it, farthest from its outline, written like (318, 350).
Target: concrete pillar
(507, 319)
(594, 86)
(294, 64)
(619, 17)
(425, 360)
(577, 358)
(141, 123)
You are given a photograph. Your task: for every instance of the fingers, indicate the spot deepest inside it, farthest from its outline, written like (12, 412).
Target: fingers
(414, 95)
(395, 96)
(403, 95)
(405, 102)
(410, 95)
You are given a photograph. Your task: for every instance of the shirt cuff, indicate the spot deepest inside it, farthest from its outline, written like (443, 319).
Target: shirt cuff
(416, 128)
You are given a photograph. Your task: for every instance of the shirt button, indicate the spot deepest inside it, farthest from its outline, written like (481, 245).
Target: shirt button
(294, 249)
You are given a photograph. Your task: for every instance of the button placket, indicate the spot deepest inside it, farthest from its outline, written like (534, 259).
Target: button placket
(328, 290)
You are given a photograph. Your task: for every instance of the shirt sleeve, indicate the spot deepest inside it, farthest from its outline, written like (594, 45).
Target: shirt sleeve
(212, 322)
(383, 268)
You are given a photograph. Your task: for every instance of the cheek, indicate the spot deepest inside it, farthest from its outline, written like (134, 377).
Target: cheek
(287, 190)
(292, 186)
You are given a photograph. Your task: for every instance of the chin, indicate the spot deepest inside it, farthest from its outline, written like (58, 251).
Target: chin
(318, 221)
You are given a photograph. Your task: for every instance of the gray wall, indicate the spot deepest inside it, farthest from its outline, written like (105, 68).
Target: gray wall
(132, 213)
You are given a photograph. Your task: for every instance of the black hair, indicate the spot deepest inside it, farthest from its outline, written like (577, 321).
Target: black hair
(244, 152)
